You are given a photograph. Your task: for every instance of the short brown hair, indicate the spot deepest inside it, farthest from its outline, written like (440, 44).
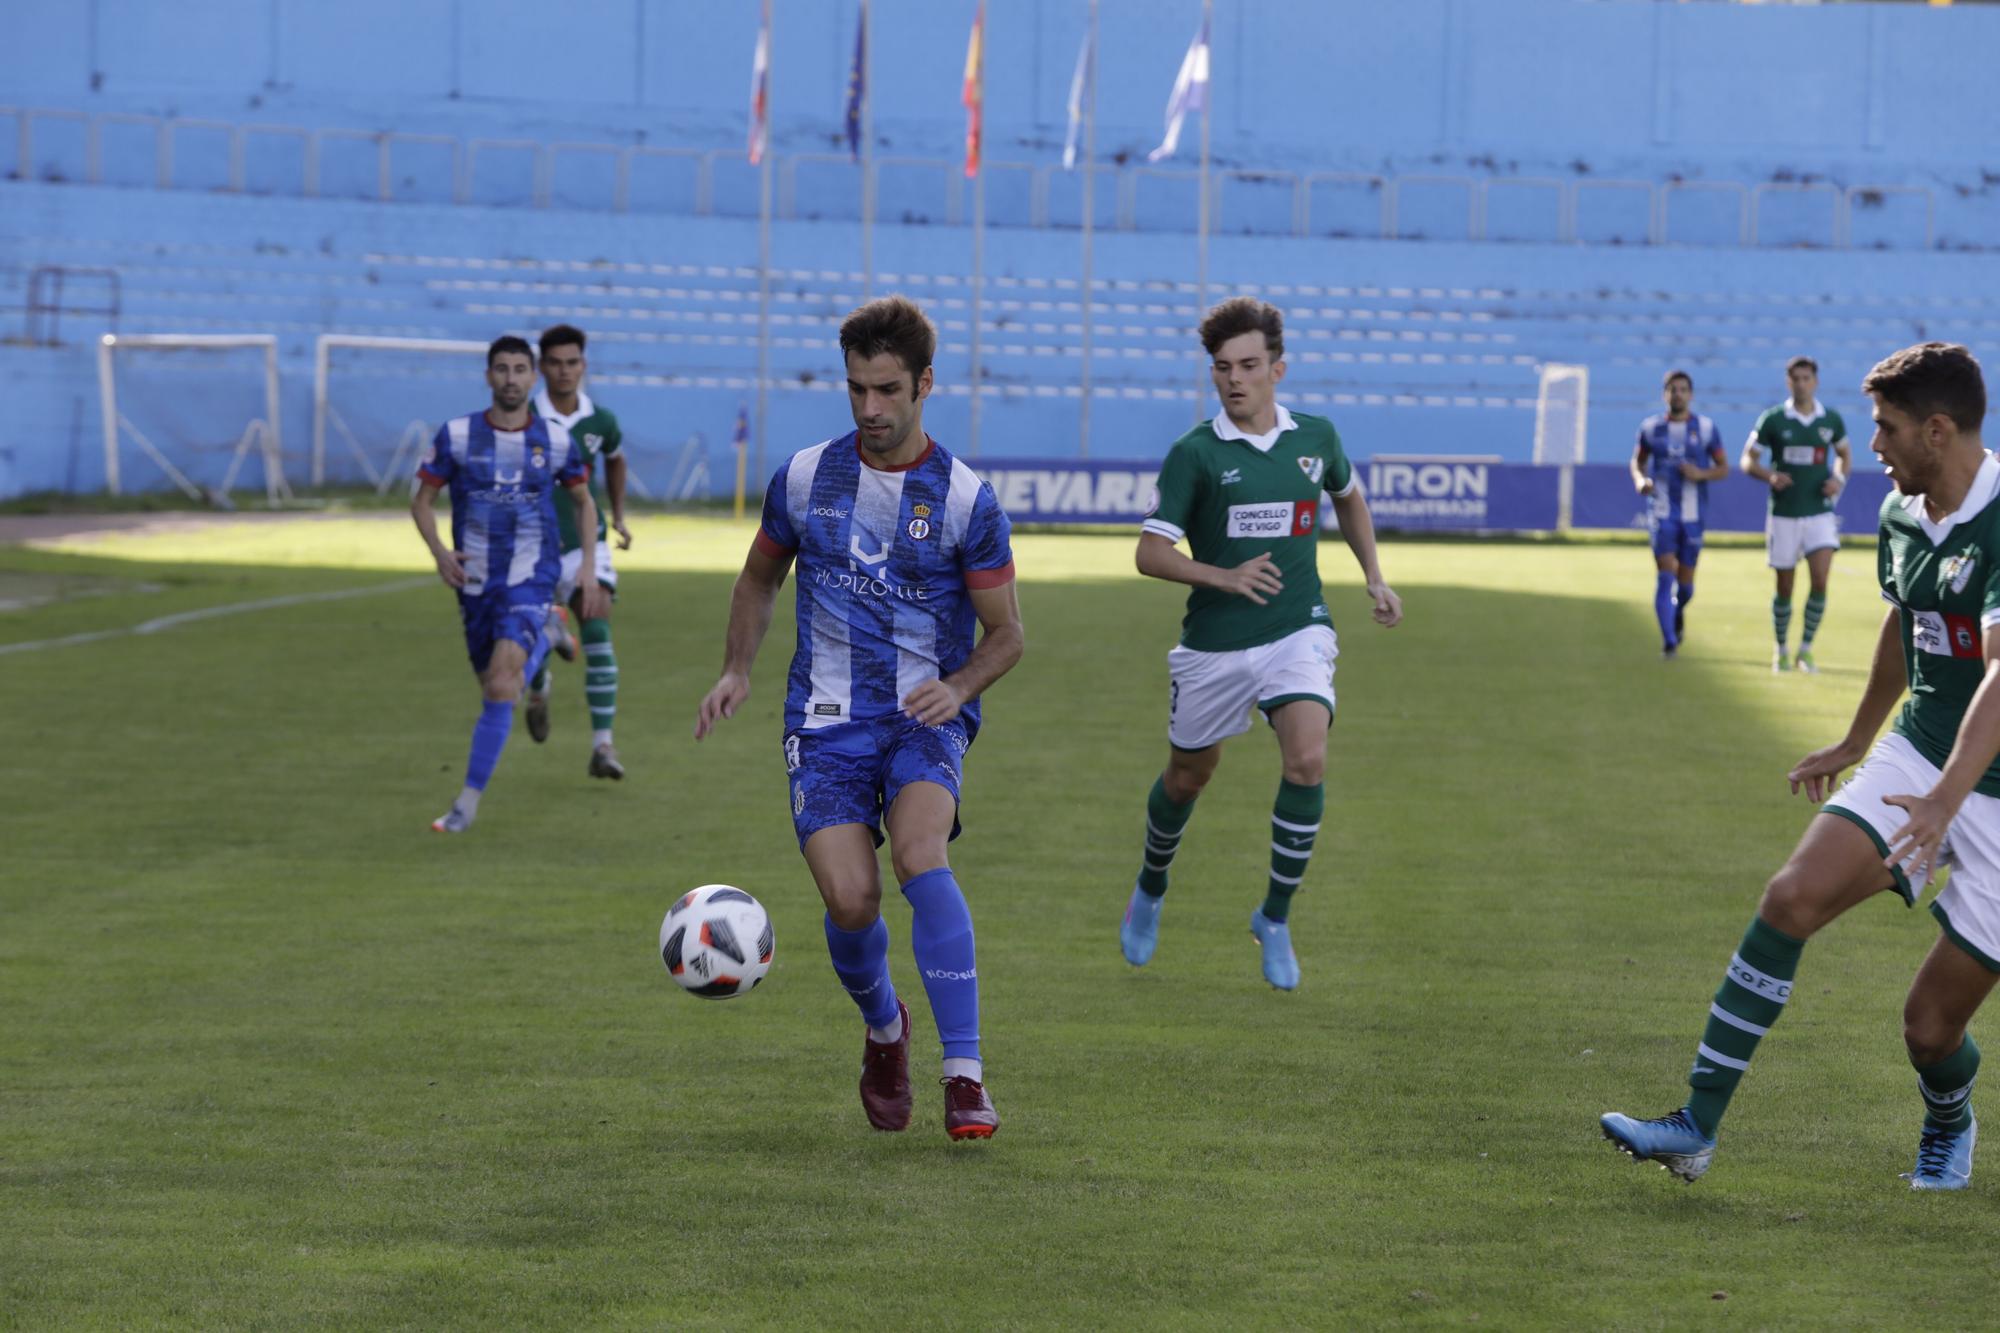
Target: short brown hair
(893, 324)
(1805, 361)
(506, 344)
(1931, 378)
(1677, 374)
(563, 335)
(1240, 315)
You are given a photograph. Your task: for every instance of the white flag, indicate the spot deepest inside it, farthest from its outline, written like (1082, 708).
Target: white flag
(760, 96)
(1079, 90)
(1190, 92)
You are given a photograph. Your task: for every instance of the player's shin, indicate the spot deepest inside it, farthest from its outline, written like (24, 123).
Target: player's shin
(861, 961)
(1295, 821)
(489, 738)
(1165, 821)
(1753, 993)
(941, 939)
(600, 678)
(1947, 1087)
(1781, 620)
(1815, 609)
(1663, 606)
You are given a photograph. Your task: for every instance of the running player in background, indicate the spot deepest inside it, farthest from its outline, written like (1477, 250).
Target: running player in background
(1678, 454)
(1243, 491)
(900, 548)
(502, 467)
(1810, 460)
(596, 435)
(1926, 795)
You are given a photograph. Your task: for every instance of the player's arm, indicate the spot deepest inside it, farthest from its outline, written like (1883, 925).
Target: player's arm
(1718, 464)
(1915, 845)
(750, 606)
(1640, 481)
(423, 509)
(596, 604)
(614, 489)
(1888, 677)
(1752, 461)
(1001, 641)
(1256, 578)
(1843, 467)
(1357, 529)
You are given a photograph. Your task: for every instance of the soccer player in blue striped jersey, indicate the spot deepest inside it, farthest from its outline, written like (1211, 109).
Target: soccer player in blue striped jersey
(901, 550)
(1678, 454)
(501, 467)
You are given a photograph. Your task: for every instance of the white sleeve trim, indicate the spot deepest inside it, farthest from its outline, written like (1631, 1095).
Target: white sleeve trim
(1990, 619)
(1159, 527)
(1353, 480)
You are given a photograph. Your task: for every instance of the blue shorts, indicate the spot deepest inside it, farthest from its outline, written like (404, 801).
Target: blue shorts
(852, 773)
(1678, 538)
(503, 615)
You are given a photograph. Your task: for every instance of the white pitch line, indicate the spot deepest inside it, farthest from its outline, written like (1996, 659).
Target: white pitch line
(180, 618)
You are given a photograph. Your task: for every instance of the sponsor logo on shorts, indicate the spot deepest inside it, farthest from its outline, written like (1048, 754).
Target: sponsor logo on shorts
(798, 798)
(826, 710)
(791, 754)
(1283, 518)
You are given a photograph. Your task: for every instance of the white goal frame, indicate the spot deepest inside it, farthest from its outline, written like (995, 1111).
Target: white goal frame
(1548, 450)
(262, 435)
(415, 435)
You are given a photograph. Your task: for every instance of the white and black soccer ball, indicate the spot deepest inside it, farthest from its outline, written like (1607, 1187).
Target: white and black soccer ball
(716, 942)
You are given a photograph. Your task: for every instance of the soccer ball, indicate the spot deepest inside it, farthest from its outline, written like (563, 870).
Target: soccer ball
(716, 942)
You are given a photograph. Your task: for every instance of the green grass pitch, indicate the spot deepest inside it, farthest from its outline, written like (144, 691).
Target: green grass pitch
(274, 1055)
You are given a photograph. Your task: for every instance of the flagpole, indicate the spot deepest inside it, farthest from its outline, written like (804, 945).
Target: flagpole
(978, 233)
(1201, 244)
(764, 259)
(867, 152)
(1089, 227)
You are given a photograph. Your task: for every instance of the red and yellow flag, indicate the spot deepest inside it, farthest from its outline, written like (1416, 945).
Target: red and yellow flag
(974, 95)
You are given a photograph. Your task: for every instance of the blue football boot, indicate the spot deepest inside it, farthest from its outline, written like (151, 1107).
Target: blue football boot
(1674, 1141)
(1140, 934)
(1944, 1158)
(1281, 965)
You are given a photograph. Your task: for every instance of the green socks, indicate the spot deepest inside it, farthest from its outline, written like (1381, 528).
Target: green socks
(1815, 608)
(600, 676)
(1947, 1087)
(1164, 824)
(1753, 994)
(1294, 826)
(1781, 619)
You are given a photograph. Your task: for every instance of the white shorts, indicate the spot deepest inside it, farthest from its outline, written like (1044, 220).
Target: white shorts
(1212, 693)
(607, 577)
(1787, 539)
(1968, 906)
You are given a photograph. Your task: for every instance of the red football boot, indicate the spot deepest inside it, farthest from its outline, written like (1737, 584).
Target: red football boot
(968, 1111)
(885, 1078)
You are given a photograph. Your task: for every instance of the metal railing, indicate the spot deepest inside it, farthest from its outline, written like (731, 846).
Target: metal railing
(389, 166)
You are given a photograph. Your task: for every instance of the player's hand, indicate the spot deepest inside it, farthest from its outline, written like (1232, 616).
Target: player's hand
(1914, 846)
(1689, 471)
(720, 702)
(624, 534)
(933, 703)
(1388, 607)
(451, 568)
(1781, 481)
(1816, 772)
(1831, 487)
(596, 603)
(1643, 485)
(1256, 578)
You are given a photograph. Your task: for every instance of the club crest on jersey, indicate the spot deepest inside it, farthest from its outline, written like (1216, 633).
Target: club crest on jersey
(919, 529)
(1826, 434)
(539, 460)
(593, 442)
(1957, 571)
(1314, 468)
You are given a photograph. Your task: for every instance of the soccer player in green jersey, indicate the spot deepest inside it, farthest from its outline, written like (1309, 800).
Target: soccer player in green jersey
(1926, 795)
(596, 434)
(1243, 491)
(1810, 460)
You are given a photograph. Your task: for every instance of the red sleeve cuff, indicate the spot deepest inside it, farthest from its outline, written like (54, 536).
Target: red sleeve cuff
(431, 477)
(765, 544)
(981, 579)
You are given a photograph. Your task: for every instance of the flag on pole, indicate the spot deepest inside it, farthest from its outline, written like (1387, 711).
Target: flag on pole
(742, 440)
(974, 95)
(760, 96)
(742, 443)
(1190, 92)
(1080, 90)
(857, 82)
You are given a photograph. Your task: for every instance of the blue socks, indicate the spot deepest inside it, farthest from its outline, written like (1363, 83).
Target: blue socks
(861, 961)
(941, 938)
(489, 738)
(1663, 608)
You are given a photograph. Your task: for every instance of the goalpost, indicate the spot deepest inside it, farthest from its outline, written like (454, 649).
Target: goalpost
(208, 374)
(406, 379)
(1562, 413)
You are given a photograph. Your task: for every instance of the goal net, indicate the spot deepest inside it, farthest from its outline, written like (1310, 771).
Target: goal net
(1562, 413)
(195, 411)
(378, 401)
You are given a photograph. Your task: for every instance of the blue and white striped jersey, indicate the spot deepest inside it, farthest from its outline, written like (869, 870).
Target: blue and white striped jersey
(1664, 446)
(886, 560)
(502, 486)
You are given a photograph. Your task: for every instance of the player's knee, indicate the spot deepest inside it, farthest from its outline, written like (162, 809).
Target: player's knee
(853, 905)
(1928, 1034)
(1184, 783)
(918, 856)
(1305, 770)
(1794, 904)
(502, 687)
